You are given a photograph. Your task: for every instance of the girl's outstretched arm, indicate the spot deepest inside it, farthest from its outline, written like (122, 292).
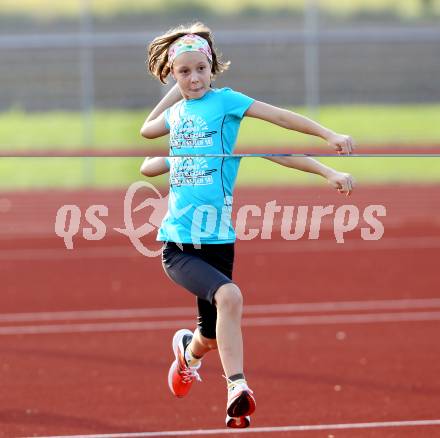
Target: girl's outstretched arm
(341, 181)
(154, 166)
(154, 125)
(296, 122)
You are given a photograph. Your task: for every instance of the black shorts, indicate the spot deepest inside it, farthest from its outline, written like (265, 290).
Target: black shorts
(201, 271)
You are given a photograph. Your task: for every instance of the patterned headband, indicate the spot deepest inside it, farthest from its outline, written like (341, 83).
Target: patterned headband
(189, 43)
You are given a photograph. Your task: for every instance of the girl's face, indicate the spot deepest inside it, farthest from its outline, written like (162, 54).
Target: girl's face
(192, 72)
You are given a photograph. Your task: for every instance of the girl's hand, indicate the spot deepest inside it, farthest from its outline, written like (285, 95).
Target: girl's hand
(342, 182)
(341, 143)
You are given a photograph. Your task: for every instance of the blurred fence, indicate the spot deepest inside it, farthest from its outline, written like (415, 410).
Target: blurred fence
(304, 67)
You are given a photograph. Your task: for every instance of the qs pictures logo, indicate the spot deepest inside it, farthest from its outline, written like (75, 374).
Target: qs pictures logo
(143, 217)
(68, 219)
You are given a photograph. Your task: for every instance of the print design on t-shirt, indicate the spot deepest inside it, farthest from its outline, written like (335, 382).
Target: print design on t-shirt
(191, 131)
(190, 171)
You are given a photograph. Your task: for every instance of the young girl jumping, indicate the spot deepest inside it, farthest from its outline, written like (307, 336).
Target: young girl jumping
(198, 250)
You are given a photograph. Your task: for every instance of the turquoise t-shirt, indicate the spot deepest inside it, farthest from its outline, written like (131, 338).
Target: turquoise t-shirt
(201, 188)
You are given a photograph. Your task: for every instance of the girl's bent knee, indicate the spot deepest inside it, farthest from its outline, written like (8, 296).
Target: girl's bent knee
(229, 295)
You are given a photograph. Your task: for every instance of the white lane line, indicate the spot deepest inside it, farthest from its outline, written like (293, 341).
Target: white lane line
(93, 327)
(252, 246)
(399, 304)
(256, 309)
(275, 429)
(73, 315)
(362, 318)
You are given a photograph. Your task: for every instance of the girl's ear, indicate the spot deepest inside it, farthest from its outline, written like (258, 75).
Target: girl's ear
(172, 73)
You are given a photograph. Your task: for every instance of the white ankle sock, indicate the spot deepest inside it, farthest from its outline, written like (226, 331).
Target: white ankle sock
(191, 361)
(233, 383)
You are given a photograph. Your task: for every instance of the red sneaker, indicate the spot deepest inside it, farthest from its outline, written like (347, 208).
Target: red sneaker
(181, 376)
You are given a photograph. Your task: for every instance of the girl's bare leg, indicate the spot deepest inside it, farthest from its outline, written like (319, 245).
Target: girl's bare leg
(200, 345)
(229, 302)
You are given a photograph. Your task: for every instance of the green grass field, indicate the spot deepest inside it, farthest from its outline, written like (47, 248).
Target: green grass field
(39, 173)
(49, 8)
(369, 125)
(372, 125)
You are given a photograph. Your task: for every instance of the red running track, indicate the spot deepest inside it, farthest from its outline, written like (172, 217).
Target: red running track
(334, 334)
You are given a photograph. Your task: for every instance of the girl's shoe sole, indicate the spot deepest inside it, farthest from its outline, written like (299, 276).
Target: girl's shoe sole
(242, 406)
(238, 423)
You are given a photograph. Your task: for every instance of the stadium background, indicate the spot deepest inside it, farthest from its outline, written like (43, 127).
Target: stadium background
(74, 93)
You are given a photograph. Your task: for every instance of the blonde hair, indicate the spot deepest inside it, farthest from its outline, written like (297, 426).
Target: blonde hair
(157, 60)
